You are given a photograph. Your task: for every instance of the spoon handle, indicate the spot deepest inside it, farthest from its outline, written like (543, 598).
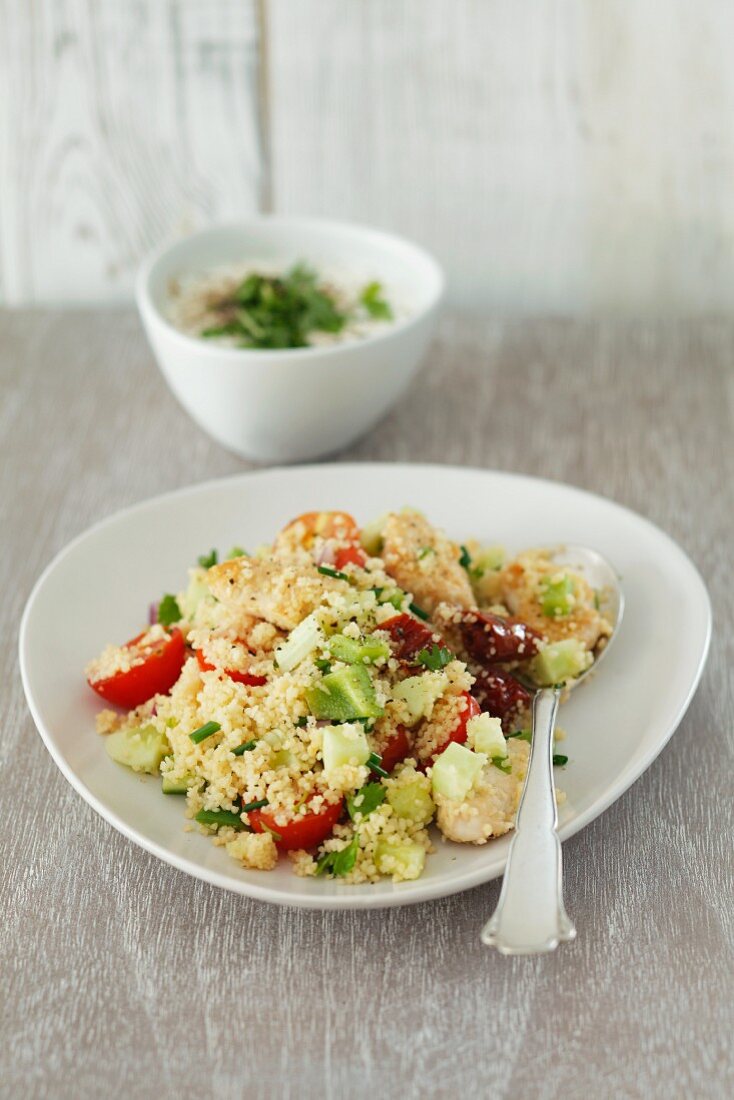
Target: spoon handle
(530, 917)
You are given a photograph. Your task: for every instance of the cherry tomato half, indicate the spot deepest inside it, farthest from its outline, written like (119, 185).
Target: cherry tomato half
(239, 677)
(155, 674)
(459, 733)
(349, 555)
(396, 749)
(329, 525)
(305, 831)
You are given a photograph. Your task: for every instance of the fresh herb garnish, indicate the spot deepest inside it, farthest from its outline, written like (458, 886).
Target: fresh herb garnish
(503, 764)
(168, 610)
(419, 612)
(236, 552)
(435, 658)
(374, 763)
(220, 817)
(559, 760)
(204, 731)
(424, 552)
(335, 573)
(323, 665)
(272, 312)
(374, 302)
(522, 735)
(339, 863)
(465, 558)
(246, 746)
(206, 561)
(257, 805)
(365, 800)
(301, 722)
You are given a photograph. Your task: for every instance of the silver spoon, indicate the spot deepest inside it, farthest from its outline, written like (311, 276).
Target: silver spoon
(530, 917)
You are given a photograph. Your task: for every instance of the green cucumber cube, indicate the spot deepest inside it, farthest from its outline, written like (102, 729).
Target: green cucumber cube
(342, 745)
(557, 596)
(455, 771)
(344, 695)
(412, 800)
(419, 693)
(560, 661)
(485, 735)
(406, 859)
(140, 749)
(169, 785)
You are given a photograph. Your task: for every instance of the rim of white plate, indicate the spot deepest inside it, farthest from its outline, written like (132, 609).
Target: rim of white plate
(406, 893)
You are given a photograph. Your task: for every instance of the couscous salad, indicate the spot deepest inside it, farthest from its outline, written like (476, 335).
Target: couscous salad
(332, 694)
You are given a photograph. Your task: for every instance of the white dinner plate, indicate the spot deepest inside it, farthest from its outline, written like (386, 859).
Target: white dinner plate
(98, 589)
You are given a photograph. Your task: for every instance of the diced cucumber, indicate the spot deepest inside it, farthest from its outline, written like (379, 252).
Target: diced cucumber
(485, 735)
(169, 785)
(406, 859)
(300, 643)
(560, 661)
(371, 537)
(456, 770)
(419, 693)
(140, 749)
(353, 652)
(488, 560)
(343, 695)
(556, 599)
(197, 591)
(412, 800)
(345, 744)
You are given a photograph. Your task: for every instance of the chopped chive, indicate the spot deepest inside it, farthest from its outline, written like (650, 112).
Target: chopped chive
(301, 722)
(246, 746)
(254, 805)
(374, 762)
(220, 817)
(522, 735)
(465, 558)
(204, 731)
(559, 760)
(335, 573)
(419, 612)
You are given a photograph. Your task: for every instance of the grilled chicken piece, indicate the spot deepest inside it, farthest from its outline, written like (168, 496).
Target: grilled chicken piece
(424, 562)
(490, 808)
(276, 591)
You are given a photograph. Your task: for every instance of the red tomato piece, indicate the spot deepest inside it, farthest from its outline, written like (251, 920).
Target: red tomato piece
(248, 678)
(458, 734)
(155, 674)
(501, 695)
(305, 831)
(490, 639)
(409, 636)
(349, 555)
(396, 749)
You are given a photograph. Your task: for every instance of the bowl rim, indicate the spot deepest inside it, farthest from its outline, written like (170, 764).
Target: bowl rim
(150, 312)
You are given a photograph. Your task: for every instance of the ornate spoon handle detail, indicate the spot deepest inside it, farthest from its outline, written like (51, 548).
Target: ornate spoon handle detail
(530, 917)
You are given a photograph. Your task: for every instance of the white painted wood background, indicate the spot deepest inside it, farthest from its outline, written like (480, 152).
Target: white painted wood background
(557, 155)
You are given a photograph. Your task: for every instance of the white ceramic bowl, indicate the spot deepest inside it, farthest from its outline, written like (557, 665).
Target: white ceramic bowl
(283, 406)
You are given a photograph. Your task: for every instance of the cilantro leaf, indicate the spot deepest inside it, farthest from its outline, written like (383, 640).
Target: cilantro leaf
(168, 610)
(206, 561)
(365, 800)
(465, 558)
(435, 658)
(376, 305)
(559, 760)
(339, 863)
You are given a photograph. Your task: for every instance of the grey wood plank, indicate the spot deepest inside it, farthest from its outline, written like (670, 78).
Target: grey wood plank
(120, 125)
(120, 975)
(567, 157)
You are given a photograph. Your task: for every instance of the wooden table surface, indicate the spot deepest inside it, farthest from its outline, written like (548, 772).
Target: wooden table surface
(120, 976)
